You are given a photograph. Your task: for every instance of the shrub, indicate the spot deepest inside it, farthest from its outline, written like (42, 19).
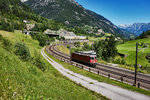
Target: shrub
(1, 37)
(22, 51)
(123, 61)
(77, 44)
(119, 60)
(74, 50)
(6, 43)
(146, 68)
(38, 62)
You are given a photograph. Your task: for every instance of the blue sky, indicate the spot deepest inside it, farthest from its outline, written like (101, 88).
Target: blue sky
(120, 11)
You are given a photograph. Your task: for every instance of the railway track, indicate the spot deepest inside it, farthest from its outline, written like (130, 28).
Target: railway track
(121, 74)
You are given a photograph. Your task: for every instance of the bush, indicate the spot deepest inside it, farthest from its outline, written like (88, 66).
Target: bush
(1, 37)
(123, 61)
(22, 51)
(119, 60)
(38, 62)
(74, 50)
(77, 44)
(6, 43)
(146, 68)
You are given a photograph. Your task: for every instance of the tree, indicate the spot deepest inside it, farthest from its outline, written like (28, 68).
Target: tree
(4, 5)
(99, 48)
(106, 49)
(42, 38)
(86, 46)
(112, 50)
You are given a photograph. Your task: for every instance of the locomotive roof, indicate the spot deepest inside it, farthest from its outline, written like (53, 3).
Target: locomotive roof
(87, 53)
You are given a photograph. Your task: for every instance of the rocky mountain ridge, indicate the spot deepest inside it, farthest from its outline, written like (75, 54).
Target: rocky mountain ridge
(73, 14)
(136, 28)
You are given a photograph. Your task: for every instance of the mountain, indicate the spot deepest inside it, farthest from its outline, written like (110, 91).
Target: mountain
(16, 15)
(72, 14)
(12, 12)
(144, 35)
(136, 28)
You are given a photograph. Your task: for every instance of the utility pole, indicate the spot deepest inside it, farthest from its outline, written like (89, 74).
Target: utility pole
(136, 64)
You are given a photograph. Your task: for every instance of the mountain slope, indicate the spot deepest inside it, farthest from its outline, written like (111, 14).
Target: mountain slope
(23, 80)
(14, 12)
(136, 28)
(72, 14)
(144, 35)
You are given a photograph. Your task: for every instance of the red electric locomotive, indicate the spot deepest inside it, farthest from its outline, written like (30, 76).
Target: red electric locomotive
(85, 57)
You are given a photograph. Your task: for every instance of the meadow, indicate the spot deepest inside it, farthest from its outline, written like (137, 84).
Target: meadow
(63, 49)
(129, 49)
(23, 80)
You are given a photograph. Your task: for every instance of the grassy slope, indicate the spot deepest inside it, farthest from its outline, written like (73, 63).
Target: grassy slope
(99, 78)
(129, 48)
(63, 49)
(24, 80)
(99, 38)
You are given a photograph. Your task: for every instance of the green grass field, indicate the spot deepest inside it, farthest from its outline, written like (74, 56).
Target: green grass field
(63, 49)
(22, 80)
(129, 48)
(91, 39)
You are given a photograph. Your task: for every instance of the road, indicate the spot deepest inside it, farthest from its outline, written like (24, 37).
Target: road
(110, 91)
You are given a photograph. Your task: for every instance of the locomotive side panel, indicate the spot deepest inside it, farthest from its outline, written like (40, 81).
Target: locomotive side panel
(81, 58)
(85, 59)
